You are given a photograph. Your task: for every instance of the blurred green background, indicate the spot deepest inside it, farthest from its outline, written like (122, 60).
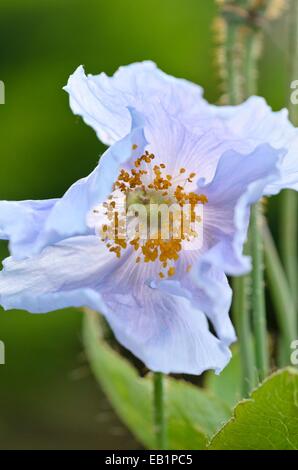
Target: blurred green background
(48, 398)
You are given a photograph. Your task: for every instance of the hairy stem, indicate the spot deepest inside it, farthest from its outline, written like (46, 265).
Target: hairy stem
(258, 294)
(241, 318)
(252, 50)
(280, 292)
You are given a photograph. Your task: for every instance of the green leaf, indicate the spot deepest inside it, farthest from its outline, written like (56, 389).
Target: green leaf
(266, 421)
(228, 384)
(129, 394)
(193, 415)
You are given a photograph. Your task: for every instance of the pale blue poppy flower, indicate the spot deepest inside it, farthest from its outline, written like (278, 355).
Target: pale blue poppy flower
(158, 312)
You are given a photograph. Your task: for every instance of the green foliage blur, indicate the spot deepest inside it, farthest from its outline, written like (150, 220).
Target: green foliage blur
(48, 398)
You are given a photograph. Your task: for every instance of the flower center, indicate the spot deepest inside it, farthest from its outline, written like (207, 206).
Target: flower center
(153, 212)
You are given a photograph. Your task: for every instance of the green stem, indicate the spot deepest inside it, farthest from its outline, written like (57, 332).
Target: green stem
(293, 54)
(252, 47)
(233, 80)
(241, 318)
(289, 201)
(159, 411)
(280, 292)
(288, 237)
(258, 294)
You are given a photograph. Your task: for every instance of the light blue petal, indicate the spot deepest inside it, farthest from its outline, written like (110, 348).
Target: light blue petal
(30, 226)
(20, 221)
(169, 335)
(212, 291)
(238, 183)
(165, 331)
(208, 292)
(177, 146)
(102, 101)
(47, 281)
(254, 122)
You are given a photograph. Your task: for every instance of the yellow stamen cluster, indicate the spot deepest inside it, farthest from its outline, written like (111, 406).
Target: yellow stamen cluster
(146, 184)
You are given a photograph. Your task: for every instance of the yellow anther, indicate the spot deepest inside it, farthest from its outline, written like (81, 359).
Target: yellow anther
(171, 271)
